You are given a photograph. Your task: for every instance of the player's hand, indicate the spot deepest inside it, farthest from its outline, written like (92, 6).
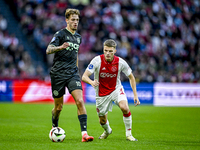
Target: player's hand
(136, 101)
(64, 45)
(95, 83)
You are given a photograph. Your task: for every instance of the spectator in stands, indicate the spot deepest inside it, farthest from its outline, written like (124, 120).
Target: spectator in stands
(15, 62)
(165, 33)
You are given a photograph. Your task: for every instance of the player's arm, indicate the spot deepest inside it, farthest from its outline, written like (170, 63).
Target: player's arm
(133, 86)
(86, 79)
(52, 49)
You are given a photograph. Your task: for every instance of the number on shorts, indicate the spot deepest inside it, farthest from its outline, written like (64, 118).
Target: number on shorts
(78, 83)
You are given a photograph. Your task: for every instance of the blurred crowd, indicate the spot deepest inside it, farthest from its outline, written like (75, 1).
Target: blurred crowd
(160, 39)
(15, 62)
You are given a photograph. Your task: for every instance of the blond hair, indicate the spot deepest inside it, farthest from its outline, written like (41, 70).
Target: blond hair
(71, 11)
(110, 43)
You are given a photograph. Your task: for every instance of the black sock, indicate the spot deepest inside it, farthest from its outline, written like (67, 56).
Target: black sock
(54, 122)
(83, 122)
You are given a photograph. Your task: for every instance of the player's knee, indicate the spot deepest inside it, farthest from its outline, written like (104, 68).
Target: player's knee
(125, 109)
(59, 108)
(124, 106)
(79, 102)
(102, 121)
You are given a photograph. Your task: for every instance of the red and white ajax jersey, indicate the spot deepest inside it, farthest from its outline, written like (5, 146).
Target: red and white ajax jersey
(108, 73)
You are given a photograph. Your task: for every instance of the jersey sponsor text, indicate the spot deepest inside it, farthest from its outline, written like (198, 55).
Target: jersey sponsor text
(108, 75)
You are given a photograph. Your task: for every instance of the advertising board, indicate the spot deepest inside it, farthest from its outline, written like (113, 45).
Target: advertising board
(145, 93)
(158, 94)
(176, 94)
(36, 91)
(6, 91)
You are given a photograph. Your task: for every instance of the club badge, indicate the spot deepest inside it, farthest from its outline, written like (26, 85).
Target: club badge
(78, 40)
(55, 92)
(114, 68)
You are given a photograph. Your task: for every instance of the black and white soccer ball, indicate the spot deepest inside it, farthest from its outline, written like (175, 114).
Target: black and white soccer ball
(57, 134)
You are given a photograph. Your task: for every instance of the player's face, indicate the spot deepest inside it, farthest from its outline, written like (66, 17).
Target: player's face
(109, 53)
(72, 22)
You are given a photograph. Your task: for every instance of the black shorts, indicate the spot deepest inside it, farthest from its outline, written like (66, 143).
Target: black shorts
(58, 85)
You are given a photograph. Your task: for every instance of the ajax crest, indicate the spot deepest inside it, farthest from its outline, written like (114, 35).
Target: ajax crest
(114, 68)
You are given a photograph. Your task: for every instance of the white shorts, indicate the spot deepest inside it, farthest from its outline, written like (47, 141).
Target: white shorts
(105, 103)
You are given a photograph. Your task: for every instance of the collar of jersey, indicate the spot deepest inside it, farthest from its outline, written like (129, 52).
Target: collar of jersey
(69, 31)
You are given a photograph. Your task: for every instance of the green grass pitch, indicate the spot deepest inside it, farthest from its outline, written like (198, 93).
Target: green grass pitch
(27, 126)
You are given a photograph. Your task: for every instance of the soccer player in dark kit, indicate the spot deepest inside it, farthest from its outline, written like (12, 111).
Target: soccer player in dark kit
(64, 72)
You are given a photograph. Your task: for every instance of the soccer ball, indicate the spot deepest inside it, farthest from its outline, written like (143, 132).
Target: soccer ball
(57, 134)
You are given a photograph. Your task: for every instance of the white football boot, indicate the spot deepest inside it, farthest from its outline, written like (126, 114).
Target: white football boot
(131, 138)
(105, 135)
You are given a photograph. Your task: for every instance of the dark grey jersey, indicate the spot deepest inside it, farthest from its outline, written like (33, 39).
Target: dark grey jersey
(64, 62)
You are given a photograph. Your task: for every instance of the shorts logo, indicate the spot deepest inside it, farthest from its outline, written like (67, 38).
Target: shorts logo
(121, 92)
(55, 92)
(90, 66)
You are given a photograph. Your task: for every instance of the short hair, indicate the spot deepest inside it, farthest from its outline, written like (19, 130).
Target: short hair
(110, 43)
(71, 11)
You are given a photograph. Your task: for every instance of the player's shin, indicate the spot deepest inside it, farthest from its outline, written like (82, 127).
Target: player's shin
(127, 118)
(83, 123)
(54, 122)
(106, 127)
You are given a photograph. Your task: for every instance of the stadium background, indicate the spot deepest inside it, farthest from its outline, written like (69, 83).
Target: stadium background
(160, 40)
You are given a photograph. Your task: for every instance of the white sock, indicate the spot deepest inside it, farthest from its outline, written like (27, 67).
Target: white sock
(107, 127)
(128, 124)
(83, 132)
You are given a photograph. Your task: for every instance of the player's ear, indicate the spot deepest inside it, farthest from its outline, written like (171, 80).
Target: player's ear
(115, 50)
(66, 20)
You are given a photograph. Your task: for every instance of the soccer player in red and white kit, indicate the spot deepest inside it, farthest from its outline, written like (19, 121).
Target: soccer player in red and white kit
(108, 88)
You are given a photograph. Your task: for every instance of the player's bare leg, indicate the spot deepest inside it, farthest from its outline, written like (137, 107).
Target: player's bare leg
(105, 125)
(78, 97)
(58, 105)
(127, 118)
(82, 115)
